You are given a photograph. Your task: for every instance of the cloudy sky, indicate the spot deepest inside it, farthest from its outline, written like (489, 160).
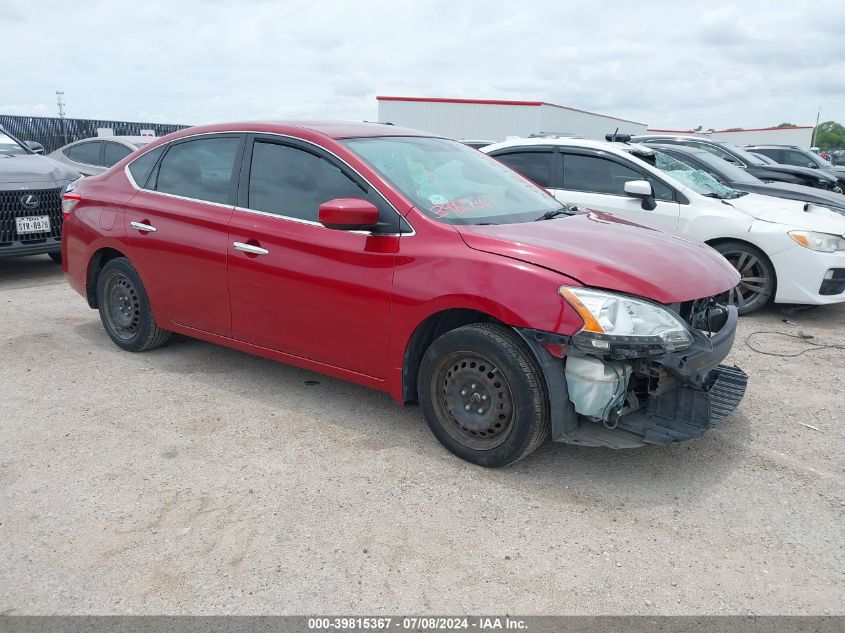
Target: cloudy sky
(669, 64)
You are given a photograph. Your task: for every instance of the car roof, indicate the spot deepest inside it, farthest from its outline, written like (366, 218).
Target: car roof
(331, 129)
(568, 141)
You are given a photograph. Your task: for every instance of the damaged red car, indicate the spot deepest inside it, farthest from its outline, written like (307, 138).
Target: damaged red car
(413, 265)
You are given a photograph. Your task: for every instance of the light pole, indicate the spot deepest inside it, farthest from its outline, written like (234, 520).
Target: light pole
(816, 129)
(61, 103)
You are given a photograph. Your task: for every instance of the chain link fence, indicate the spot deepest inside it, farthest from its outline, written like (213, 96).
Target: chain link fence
(53, 132)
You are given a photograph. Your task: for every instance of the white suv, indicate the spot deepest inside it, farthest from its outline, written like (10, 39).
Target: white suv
(786, 250)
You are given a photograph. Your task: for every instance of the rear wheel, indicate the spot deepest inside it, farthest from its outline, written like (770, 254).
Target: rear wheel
(483, 395)
(757, 285)
(125, 308)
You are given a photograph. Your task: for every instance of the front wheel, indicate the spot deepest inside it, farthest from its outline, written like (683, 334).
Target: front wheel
(56, 257)
(483, 395)
(757, 285)
(125, 308)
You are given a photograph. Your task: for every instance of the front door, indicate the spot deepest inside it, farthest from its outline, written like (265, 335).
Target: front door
(598, 182)
(296, 286)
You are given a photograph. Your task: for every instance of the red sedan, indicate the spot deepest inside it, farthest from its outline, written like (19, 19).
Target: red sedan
(414, 265)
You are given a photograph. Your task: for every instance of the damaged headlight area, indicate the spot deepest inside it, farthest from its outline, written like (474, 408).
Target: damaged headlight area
(638, 372)
(623, 326)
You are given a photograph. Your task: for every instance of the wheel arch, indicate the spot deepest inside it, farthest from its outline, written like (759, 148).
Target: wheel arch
(432, 327)
(95, 267)
(723, 240)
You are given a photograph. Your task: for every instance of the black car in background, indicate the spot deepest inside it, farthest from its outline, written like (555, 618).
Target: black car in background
(31, 189)
(797, 157)
(736, 178)
(754, 165)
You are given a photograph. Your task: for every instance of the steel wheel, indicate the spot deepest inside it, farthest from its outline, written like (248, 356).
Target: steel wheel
(476, 398)
(757, 283)
(123, 306)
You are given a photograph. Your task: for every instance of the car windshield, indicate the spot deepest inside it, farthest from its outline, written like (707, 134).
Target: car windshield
(453, 183)
(818, 160)
(766, 159)
(723, 168)
(10, 147)
(696, 179)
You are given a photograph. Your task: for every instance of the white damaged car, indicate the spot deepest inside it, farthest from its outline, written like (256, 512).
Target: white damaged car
(787, 251)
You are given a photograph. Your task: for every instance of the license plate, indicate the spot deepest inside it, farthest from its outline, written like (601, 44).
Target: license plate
(33, 224)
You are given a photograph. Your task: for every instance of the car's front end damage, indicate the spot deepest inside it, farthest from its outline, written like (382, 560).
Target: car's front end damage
(639, 372)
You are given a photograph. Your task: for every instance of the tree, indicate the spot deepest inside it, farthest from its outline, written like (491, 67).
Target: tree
(830, 135)
(787, 125)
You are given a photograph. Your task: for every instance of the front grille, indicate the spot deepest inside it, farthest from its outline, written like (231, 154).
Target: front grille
(11, 207)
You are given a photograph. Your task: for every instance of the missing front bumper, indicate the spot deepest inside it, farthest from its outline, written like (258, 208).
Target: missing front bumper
(679, 396)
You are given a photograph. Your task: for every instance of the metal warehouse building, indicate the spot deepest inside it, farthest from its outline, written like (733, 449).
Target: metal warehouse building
(493, 120)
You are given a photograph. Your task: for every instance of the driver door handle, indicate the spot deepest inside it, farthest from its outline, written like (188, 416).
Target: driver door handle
(249, 248)
(140, 226)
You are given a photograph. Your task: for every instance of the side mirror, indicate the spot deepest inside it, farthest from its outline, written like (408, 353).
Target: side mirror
(813, 165)
(348, 214)
(641, 189)
(38, 148)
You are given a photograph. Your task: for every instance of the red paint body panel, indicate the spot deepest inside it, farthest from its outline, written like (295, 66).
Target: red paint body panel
(183, 264)
(608, 252)
(319, 293)
(347, 304)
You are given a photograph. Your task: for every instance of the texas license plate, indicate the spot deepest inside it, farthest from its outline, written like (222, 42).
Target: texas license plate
(33, 224)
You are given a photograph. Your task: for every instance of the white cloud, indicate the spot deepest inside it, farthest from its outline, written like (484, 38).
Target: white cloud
(719, 65)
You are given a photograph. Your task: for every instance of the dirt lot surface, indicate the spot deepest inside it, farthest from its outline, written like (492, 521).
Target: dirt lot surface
(195, 479)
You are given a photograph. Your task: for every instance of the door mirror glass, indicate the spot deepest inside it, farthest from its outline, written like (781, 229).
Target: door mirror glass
(348, 214)
(38, 148)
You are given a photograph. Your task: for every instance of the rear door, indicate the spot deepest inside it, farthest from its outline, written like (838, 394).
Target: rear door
(595, 180)
(177, 229)
(305, 290)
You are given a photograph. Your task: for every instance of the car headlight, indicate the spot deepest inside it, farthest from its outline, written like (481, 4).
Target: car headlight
(628, 326)
(823, 242)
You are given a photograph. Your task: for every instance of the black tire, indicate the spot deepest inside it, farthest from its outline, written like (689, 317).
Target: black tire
(56, 257)
(757, 286)
(483, 395)
(125, 309)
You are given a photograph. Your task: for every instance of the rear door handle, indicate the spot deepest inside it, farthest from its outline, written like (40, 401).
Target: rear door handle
(140, 226)
(249, 248)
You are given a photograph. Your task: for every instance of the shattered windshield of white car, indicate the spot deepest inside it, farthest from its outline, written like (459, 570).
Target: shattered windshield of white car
(696, 179)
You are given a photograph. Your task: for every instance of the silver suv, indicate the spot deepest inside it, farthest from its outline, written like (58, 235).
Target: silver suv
(31, 188)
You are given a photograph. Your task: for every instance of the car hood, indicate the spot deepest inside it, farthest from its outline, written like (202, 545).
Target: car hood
(834, 201)
(790, 213)
(33, 168)
(605, 251)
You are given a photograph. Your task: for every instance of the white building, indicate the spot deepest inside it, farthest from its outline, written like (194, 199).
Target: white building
(493, 120)
(802, 135)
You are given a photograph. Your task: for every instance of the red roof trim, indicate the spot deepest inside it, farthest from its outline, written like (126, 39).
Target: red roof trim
(475, 101)
(749, 129)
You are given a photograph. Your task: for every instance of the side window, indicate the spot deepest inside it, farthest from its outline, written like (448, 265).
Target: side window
(775, 154)
(536, 166)
(88, 153)
(200, 169)
(292, 182)
(140, 168)
(600, 175)
(797, 158)
(114, 153)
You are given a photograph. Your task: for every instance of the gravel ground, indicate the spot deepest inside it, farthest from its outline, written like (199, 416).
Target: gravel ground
(196, 479)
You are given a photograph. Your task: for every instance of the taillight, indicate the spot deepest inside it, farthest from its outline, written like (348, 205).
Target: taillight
(69, 201)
